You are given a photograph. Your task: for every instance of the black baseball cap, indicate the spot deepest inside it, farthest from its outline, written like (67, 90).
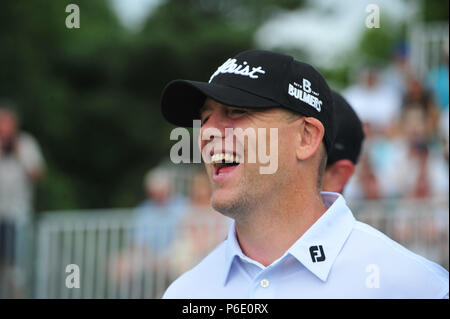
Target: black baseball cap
(254, 79)
(349, 132)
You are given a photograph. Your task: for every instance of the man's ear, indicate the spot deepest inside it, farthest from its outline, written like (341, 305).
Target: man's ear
(337, 175)
(310, 138)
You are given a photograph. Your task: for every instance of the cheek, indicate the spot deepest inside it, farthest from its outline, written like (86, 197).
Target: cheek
(199, 141)
(209, 170)
(286, 146)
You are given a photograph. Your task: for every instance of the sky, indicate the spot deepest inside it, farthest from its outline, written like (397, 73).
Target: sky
(132, 13)
(325, 29)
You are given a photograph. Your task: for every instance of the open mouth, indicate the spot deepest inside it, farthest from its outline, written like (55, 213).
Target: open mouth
(224, 163)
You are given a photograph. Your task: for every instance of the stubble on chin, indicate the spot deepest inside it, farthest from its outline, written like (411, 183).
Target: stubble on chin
(238, 206)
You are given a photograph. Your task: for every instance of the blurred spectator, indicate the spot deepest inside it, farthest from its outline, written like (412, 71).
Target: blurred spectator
(396, 74)
(376, 104)
(417, 96)
(153, 233)
(201, 230)
(21, 164)
(158, 216)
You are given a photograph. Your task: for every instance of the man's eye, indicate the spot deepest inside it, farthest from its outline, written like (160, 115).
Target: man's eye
(237, 112)
(205, 119)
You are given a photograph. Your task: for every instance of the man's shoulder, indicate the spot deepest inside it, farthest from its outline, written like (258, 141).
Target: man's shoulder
(196, 282)
(27, 140)
(397, 265)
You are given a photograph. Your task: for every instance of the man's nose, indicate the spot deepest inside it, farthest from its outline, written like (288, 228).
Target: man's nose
(214, 130)
(218, 121)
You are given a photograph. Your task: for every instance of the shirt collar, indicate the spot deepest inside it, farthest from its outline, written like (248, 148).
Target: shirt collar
(330, 231)
(232, 250)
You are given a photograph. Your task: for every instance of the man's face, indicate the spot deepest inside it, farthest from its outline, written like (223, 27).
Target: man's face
(159, 191)
(8, 127)
(237, 187)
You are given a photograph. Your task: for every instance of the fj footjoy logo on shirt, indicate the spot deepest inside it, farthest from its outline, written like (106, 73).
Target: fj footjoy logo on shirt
(304, 93)
(313, 250)
(230, 66)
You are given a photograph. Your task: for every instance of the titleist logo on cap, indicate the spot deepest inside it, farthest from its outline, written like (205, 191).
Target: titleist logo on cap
(230, 66)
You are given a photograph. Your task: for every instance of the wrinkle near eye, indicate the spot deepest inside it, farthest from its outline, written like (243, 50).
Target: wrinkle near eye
(236, 112)
(204, 116)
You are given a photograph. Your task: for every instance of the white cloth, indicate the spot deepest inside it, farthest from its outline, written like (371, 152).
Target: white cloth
(337, 257)
(379, 106)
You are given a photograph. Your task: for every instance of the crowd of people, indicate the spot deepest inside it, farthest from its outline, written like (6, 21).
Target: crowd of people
(170, 232)
(406, 120)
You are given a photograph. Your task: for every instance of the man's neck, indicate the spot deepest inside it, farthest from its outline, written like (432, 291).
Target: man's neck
(267, 233)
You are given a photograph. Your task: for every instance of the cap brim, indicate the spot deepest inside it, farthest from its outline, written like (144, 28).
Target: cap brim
(181, 100)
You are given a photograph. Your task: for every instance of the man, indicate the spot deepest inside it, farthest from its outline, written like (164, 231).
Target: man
(154, 226)
(377, 104)
(288, 240)
(163, 208)
(21, 165)
(347, 146)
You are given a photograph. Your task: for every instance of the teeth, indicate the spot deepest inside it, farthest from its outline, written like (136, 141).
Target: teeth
(224, 157)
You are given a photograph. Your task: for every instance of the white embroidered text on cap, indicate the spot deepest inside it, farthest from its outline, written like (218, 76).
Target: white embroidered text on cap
(304, 93)
(230, 66)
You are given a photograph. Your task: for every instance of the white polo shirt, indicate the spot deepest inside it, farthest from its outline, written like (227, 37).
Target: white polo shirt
(337, 257)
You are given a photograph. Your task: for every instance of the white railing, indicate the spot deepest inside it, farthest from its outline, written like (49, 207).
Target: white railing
(420, 225)
(426, 44)
(113, 264)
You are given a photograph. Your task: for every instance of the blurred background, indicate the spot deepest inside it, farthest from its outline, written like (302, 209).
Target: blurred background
(85, 176)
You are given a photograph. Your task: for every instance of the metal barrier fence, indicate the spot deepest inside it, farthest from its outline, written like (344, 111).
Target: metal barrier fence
(426, 43)
(420, 225)
(113, 259)
(113, 264)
